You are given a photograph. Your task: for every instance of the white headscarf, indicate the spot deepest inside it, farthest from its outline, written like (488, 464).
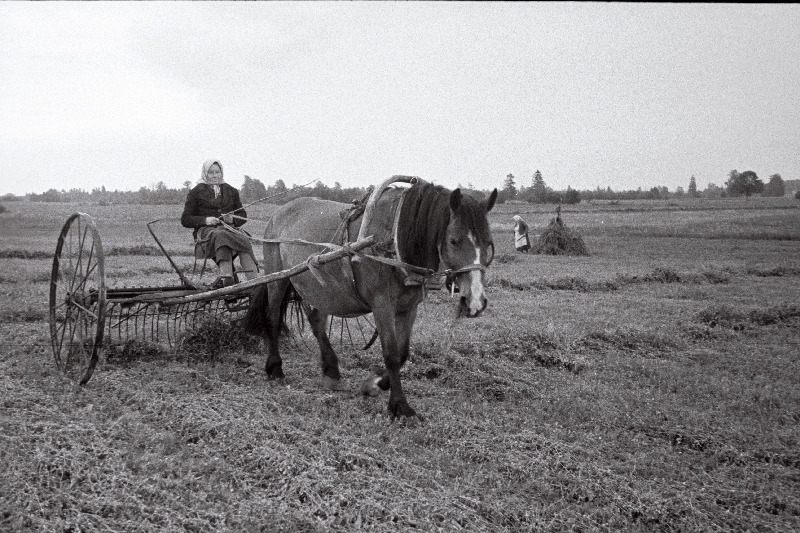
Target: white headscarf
(205, 179)
(517, 218)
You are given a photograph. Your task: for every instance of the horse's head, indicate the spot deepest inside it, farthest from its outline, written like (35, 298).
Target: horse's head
(468, 249)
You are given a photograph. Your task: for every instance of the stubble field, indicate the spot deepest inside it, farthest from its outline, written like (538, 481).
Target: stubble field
(651, 386)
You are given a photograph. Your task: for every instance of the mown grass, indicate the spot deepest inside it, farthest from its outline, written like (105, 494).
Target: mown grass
(652, 386)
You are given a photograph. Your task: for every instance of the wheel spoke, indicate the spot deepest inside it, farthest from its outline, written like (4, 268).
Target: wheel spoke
(79, 263)
(73, 302)
(63, 329)
(70, 343)
(85, 310)
(89, 267)
(82, 284)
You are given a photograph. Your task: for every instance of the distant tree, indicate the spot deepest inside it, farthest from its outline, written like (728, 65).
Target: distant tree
(538, 188)
(693, 187)
(187, 185)
(572, 196)
(747, 183)
(509, 191)
(679, 192)
(713, 191)
(252, 190)
(775, 186)
(278, 193)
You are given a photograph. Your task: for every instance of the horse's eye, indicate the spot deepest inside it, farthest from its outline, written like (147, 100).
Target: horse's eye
(453, 241)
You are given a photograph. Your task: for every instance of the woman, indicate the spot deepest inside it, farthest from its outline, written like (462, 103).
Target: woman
(521, 241)
(209, 208)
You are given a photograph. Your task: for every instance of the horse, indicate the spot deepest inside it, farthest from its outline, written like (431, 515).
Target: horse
(420, 230)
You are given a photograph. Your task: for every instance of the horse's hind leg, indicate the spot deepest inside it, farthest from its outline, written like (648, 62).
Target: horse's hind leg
(330, 361)
(276, 306)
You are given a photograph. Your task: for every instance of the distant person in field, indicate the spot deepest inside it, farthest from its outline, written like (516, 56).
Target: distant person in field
(214, 210)
(521, 241)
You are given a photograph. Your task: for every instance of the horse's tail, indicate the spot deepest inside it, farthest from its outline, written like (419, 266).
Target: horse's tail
(256, 321)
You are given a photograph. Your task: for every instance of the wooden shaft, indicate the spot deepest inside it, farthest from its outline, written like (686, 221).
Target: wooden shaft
(238, 288)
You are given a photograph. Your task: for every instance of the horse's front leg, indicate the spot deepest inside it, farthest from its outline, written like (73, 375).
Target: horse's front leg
(404, 323)
(394, 330)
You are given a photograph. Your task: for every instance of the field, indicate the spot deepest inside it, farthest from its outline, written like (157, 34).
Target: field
(651, 386)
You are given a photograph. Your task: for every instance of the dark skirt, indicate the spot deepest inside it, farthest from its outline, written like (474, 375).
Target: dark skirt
(212, 238)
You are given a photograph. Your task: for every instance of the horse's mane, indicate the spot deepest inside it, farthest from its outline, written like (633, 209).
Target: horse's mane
(424, 217)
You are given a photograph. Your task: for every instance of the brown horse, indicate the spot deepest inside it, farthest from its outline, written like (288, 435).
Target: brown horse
(418, 229)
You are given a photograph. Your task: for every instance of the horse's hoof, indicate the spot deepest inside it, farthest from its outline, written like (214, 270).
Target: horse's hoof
(370, 387)
(404, 413)
(331, 384)
(275, 373)
(408, 421)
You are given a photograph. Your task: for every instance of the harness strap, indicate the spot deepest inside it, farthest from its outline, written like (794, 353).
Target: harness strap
(425, 272)
(373, 199)
(329, 245)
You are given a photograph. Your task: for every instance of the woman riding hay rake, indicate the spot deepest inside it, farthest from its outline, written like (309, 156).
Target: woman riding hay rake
(408, 237)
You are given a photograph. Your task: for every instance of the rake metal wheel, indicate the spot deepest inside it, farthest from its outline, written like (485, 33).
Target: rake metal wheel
(78, 298)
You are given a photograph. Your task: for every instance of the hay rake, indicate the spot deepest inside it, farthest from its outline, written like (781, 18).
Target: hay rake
(85, 313)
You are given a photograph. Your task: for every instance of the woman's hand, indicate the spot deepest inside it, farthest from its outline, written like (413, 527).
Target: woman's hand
(228, 219)
(212, 221)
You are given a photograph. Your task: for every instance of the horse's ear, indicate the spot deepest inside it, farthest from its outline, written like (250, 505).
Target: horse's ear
(491, 200)
(455, 199)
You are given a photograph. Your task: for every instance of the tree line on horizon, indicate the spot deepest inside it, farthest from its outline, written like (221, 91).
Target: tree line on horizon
(739, 184)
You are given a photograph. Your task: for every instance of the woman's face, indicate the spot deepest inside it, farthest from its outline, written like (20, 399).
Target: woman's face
(214, 173)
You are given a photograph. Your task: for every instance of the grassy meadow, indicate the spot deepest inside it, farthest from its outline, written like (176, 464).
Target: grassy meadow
(653, 385)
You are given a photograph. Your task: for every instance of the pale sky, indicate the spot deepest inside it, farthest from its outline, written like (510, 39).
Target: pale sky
(591, 94)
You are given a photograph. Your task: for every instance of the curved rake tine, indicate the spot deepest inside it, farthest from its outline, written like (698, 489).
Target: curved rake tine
(349, 335)
(157, 325)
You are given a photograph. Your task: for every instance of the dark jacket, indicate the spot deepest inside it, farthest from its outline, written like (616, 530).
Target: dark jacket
(200, 203)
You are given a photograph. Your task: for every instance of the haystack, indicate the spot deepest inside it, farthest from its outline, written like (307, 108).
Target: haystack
(558, 239)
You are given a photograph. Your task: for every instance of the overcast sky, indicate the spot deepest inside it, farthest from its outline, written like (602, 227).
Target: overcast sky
(591, 94)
